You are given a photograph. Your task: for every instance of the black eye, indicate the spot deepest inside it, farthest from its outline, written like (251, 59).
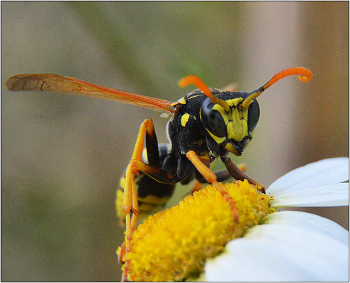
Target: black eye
(253, 115)
(212, 119)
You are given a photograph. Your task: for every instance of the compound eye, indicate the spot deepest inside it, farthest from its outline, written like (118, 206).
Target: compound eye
(212, 119)
(253, 115)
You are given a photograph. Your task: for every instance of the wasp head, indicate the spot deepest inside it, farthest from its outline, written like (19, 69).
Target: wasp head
(230, 117)
(229, 123)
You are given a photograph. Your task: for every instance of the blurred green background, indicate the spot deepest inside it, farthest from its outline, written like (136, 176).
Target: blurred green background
(62, 155)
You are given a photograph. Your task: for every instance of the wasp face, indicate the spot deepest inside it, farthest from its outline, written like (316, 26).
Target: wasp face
(232, 129)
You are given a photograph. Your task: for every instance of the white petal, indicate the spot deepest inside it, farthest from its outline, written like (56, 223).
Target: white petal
(326, 171)
(291, 246)
(309, 221)
(316, 184)
(323, 195)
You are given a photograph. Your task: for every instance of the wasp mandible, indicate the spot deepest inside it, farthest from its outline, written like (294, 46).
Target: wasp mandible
(206, 124)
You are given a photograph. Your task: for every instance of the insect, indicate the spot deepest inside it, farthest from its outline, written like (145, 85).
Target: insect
(206, 124)
(152, 195)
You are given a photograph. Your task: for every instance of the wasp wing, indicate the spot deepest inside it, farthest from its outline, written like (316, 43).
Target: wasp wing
(57, 83)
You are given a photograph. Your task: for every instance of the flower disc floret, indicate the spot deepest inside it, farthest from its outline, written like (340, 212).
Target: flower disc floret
(174, 245)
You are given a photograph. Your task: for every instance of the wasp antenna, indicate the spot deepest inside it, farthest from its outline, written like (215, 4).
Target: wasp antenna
(193, 79)
(305, 75)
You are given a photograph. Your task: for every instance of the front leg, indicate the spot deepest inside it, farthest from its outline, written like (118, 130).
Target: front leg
(238, 174)
(211, 178)
(221, 176)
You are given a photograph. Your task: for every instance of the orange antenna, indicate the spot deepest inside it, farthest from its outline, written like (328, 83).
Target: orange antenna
(304, 75)
(192, 79)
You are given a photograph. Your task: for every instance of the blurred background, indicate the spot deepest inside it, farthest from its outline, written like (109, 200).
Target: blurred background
(62, 155)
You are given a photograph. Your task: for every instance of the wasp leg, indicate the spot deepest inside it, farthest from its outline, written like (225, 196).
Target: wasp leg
(152, 146)
(121, 253)
(221, 176)
(242, 167)
(238, 174)
(197, 186)
(154, 172)
(130, 194)
(211, 178)
(130, 202)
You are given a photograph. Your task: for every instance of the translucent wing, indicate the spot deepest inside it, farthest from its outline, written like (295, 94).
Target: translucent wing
(57, 83)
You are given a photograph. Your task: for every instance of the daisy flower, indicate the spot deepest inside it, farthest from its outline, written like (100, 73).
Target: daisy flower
(199, 239)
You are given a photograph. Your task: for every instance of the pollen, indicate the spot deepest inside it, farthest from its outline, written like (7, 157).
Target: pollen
(174, 245)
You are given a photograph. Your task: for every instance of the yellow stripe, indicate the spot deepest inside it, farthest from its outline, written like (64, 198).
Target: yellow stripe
(184, 119)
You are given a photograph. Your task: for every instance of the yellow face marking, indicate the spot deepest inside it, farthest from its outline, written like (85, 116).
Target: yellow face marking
(218, 140)
(231, 149)
(236, 121)
(184, 119)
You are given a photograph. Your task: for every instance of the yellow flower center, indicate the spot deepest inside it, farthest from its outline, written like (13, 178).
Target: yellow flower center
(174, 244)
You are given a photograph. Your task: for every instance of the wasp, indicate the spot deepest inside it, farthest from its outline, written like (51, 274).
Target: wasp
(206, 124)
